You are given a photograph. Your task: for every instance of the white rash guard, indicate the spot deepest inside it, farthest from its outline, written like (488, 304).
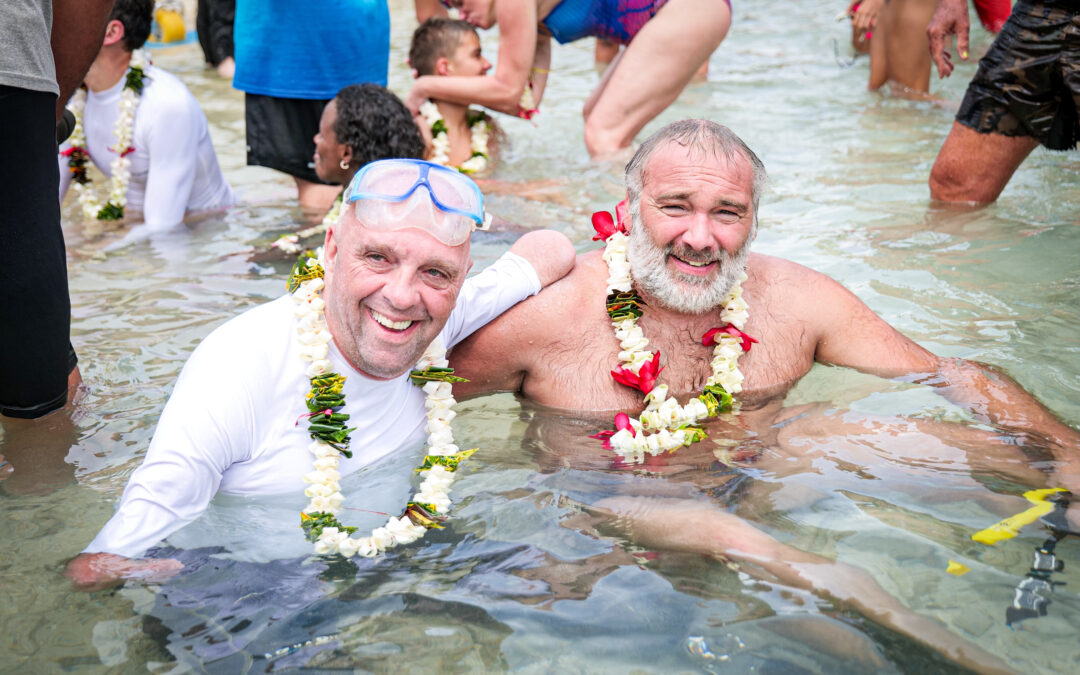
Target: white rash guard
(230, 424)
(174, 168)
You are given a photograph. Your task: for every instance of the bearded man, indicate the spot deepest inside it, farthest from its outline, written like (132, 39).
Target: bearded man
(271, 388)
(692, 192)
(686, 296)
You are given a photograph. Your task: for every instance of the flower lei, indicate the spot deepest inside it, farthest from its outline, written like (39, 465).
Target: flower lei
(664, 425)
(440, 142)
(290, 242)
(78, 156)
(526, 104)
(326, 425)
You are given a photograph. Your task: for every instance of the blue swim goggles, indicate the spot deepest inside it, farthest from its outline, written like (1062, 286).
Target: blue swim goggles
(386, 197)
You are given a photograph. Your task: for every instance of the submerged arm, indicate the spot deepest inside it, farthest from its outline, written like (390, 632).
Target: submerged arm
(852, 335)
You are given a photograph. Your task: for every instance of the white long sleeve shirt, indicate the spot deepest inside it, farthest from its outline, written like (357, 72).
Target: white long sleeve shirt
(230, 424)
(174, 168)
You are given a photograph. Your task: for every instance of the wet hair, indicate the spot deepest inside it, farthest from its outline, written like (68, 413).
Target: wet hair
(137, 17)
(695, 135)
(436, 38)
(376, 124)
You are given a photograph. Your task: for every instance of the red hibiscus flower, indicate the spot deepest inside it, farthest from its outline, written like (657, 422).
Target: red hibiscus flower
(644, 379)
(710, 337)
(606, 226)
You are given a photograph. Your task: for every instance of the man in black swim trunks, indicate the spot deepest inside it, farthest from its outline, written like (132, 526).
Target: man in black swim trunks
(1025, 93)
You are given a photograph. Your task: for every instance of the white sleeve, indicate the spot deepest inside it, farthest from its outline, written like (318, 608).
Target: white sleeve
(205, 427)
(486, 295)
(173, 142)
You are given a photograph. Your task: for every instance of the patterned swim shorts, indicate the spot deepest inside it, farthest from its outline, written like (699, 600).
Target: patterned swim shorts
(1028, 84)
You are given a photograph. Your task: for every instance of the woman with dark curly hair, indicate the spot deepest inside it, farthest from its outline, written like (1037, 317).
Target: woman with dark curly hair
(363, 123)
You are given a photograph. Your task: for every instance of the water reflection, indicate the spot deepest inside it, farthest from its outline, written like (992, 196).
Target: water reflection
(530, 575)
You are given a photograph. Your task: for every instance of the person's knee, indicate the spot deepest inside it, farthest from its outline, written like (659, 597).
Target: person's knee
(951, 181)
(603, 140)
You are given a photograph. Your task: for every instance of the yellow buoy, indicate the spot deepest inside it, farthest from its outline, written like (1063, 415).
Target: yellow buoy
(1010, 527)
(169, 26)
(959, 569)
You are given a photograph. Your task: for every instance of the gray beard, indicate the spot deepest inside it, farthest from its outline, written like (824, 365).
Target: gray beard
(682, 292)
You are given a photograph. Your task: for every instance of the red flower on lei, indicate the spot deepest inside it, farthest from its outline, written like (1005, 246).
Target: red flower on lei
(606, 226)
(710, 337)
(644, 379)
(622, 421)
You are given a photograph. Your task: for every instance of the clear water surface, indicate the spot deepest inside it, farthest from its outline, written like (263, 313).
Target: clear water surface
(524, 579)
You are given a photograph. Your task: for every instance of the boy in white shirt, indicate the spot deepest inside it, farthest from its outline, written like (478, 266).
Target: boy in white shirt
(142, 127)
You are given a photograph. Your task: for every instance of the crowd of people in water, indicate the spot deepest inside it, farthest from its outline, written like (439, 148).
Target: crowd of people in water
(392, 182)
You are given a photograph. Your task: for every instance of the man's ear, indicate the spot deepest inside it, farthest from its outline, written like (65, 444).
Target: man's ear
(330, 247)
(442, 66)
(114, 33)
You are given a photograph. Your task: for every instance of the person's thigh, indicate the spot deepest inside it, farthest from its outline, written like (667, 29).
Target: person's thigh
(975, 167)
(653, 69)
(908, 60)
(35, 309)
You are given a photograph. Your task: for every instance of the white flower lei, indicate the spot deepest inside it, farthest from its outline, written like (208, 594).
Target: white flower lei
(440, 142)
(324, 490)
(664, 425)
(290, 243)
(124, 130)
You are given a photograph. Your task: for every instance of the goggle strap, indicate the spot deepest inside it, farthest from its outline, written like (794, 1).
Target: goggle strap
(486, 224)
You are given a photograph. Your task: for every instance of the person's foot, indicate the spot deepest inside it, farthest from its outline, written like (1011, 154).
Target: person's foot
(226, 68)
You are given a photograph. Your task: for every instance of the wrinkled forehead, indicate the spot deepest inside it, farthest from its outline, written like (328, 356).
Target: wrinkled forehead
(677, 169)
(674, 159)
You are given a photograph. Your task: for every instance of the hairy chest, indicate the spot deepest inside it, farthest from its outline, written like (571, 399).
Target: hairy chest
(574, 371)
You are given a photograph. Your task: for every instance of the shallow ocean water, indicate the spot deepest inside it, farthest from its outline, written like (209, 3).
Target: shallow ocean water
(524, 578)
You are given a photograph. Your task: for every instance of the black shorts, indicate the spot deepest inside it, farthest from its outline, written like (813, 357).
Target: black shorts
(1028, 84)
(35, 309)
(281, 133)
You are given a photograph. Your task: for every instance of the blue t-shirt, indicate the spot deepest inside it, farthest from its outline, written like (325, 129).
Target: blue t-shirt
(298, 49)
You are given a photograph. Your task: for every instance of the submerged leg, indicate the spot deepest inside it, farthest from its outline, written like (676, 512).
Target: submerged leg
(907, 50)
(693, 526)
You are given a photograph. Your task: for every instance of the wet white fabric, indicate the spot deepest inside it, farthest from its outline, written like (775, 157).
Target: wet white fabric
(174, 168)
(231, 423)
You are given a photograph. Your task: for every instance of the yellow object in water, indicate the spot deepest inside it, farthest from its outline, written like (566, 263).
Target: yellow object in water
(1010, 527)
(170, 26)
(959, 569)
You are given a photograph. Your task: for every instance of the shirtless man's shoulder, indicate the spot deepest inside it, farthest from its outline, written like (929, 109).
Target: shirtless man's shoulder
(562, 321)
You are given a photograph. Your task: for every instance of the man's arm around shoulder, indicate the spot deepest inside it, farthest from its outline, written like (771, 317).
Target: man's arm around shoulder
(497, 357)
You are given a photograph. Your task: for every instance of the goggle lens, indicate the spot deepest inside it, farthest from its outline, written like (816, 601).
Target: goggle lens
(379, 189)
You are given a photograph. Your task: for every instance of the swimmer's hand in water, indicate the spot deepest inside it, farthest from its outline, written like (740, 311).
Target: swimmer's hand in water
(950, 18)
(95, 571)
